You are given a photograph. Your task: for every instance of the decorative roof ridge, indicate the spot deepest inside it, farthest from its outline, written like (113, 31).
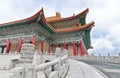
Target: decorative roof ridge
(68, 29)
(56, 17)
(75, 28)
(44, 19)
(71, 17)
(22, 20)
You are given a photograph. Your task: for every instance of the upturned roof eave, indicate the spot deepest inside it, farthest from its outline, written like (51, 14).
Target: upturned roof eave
(40, 14)
(76, 28)
(23, 21)
(69, 29)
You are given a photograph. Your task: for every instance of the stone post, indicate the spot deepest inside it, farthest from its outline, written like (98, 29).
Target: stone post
(119, 57)
(99, 56)
(108, 58)
(92, 56)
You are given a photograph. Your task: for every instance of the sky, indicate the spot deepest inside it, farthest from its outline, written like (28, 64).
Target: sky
(105, 13)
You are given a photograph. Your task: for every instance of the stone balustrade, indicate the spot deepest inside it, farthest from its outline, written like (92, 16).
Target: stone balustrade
(55, 69)
(52, 65)
(114, 59)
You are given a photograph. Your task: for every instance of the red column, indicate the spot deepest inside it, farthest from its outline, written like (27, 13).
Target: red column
(83, 50)
(65, 45)
(49, 48)
(74, 49)
(8, 46)
(33, 39)
(42, 46)
(19, 45)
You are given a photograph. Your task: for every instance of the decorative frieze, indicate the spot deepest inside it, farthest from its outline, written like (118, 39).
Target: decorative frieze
(65, 24)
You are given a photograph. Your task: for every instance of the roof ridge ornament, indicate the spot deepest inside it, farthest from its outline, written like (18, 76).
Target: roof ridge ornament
(58, 14)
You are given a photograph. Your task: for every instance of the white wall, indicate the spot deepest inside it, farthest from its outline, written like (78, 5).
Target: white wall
(5, 60)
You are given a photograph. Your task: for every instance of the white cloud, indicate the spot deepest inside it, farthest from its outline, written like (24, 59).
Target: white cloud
(107, 26)
(17, 9)
(102, 46)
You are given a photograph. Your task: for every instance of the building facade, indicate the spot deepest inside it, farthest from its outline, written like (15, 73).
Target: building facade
(71, 33)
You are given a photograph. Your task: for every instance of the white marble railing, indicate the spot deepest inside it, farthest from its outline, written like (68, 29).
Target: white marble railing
(10, 53)
(18, 72)
(26, 71)
(114, 59)
(7, 61)
(52, 66)
(55, 69)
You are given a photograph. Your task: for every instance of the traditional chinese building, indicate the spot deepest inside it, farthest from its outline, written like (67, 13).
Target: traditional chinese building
(72, 33)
